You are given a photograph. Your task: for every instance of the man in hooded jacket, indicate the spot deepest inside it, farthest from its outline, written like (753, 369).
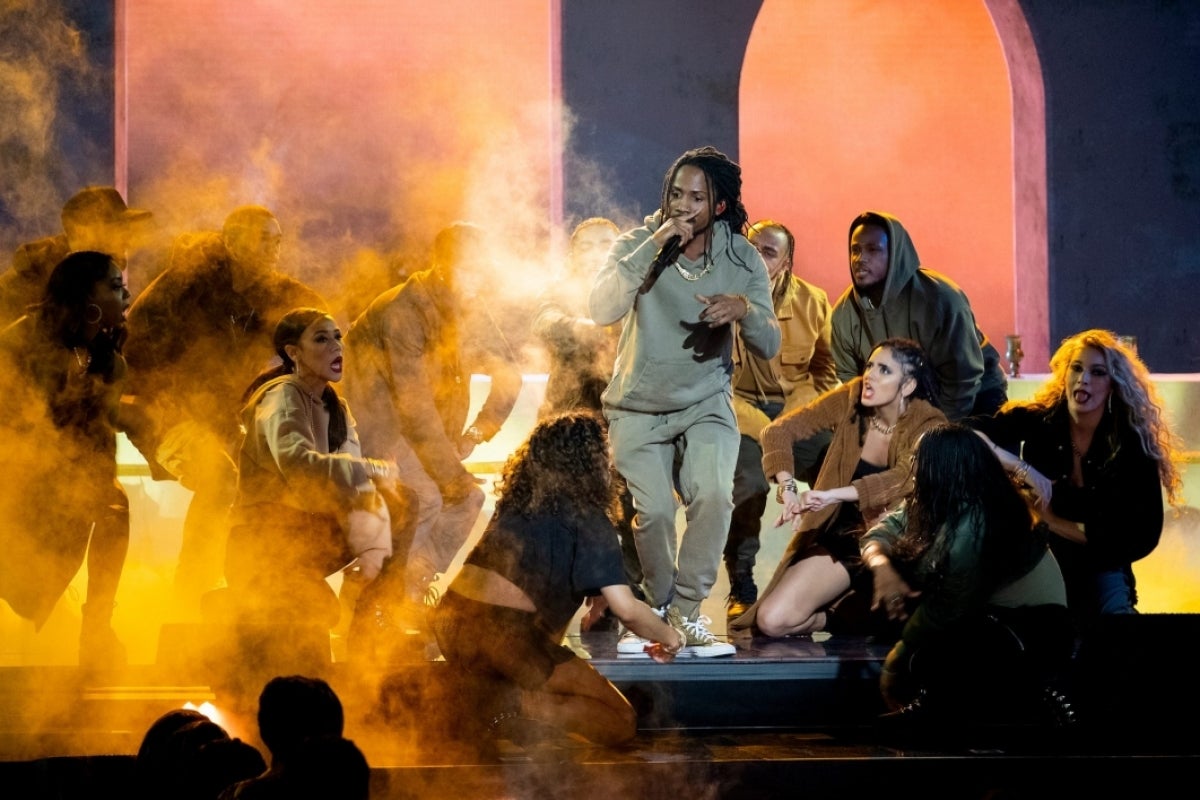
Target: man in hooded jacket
(891, 294)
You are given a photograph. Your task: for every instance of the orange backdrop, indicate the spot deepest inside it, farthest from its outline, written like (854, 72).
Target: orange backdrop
(893, 106)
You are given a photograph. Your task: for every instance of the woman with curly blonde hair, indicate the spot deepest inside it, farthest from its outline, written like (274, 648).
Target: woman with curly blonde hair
(1095, 448)
(549, 544)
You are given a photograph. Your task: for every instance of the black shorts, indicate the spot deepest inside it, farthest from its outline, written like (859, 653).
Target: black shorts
(840, 540)
(495, 640)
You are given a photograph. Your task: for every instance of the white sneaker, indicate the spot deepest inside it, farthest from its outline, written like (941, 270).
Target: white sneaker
(700, 641)
(630, 644)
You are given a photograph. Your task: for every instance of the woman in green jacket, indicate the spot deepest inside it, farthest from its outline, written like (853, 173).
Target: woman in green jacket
(970, 575)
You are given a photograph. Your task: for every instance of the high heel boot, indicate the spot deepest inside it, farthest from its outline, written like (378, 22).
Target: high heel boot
(375, 635)
(99, 647)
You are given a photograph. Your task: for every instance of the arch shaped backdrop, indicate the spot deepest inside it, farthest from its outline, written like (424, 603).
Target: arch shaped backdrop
(369, 125)
(908, 109)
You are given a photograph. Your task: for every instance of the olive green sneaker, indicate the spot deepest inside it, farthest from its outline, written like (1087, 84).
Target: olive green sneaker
(700, 641)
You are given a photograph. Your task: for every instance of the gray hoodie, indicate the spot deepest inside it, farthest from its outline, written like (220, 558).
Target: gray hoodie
(667, 359)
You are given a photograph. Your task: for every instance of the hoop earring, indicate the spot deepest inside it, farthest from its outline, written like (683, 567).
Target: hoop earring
(99, 314)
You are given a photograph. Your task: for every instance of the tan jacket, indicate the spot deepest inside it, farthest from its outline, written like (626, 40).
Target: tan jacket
(838, 411)
(804, 365)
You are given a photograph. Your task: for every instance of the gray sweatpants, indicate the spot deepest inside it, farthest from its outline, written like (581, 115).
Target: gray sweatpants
(679, 570)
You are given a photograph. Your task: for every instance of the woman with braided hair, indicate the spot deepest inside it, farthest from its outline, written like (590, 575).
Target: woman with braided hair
(876, 421)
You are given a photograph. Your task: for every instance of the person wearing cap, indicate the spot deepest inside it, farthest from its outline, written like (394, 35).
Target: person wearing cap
(198, 334)
(95, 218)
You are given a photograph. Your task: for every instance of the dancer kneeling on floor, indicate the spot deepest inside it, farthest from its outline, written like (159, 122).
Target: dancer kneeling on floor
(986, 627)
(549, 545)
(303, 489)
(876, 420)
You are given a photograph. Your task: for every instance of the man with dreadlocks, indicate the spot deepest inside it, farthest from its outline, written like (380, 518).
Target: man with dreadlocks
(679, 283)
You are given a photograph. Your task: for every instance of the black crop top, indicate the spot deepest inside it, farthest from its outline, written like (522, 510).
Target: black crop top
(557, 561)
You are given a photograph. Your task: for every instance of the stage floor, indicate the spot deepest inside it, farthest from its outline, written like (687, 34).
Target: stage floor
(779, 717)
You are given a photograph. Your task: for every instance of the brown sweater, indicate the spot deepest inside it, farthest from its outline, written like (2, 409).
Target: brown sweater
(837, 411)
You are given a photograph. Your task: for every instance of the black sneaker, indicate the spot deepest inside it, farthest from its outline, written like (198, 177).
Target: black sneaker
(742, 594)
(734, 608)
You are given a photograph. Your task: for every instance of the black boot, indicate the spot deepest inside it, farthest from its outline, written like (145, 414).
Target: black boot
(99, 647)
(742, 594)
(378, 634)
(741, 551)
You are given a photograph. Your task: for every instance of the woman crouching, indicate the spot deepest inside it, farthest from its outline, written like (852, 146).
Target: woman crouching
(302, 484)
(549, 545)
(982, 599)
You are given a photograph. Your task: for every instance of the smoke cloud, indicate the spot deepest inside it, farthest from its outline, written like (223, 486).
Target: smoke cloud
(42, 51)
(366, 128)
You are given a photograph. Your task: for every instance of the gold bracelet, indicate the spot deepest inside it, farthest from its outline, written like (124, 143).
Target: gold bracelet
(787, 486)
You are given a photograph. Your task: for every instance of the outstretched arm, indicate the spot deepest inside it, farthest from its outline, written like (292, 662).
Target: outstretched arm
(641, 619)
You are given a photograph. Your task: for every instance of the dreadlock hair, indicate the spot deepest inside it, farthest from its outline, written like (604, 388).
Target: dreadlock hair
(956, 476)
(563, 467)
(288, 330)
(724, 180)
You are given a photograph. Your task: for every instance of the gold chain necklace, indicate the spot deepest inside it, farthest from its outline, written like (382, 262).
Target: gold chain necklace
(83, 357)
(886, 430)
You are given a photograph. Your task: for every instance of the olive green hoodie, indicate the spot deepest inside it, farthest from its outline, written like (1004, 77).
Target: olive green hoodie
(922, 305)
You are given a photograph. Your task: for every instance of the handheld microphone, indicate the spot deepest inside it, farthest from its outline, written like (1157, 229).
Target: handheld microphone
(666, 256)
(668, 253)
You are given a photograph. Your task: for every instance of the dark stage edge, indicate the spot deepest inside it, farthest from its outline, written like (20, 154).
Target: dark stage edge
(779, 718)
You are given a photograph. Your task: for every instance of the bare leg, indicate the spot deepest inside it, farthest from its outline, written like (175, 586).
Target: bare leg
(798, 602)
(580, 700)
(109, 543)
